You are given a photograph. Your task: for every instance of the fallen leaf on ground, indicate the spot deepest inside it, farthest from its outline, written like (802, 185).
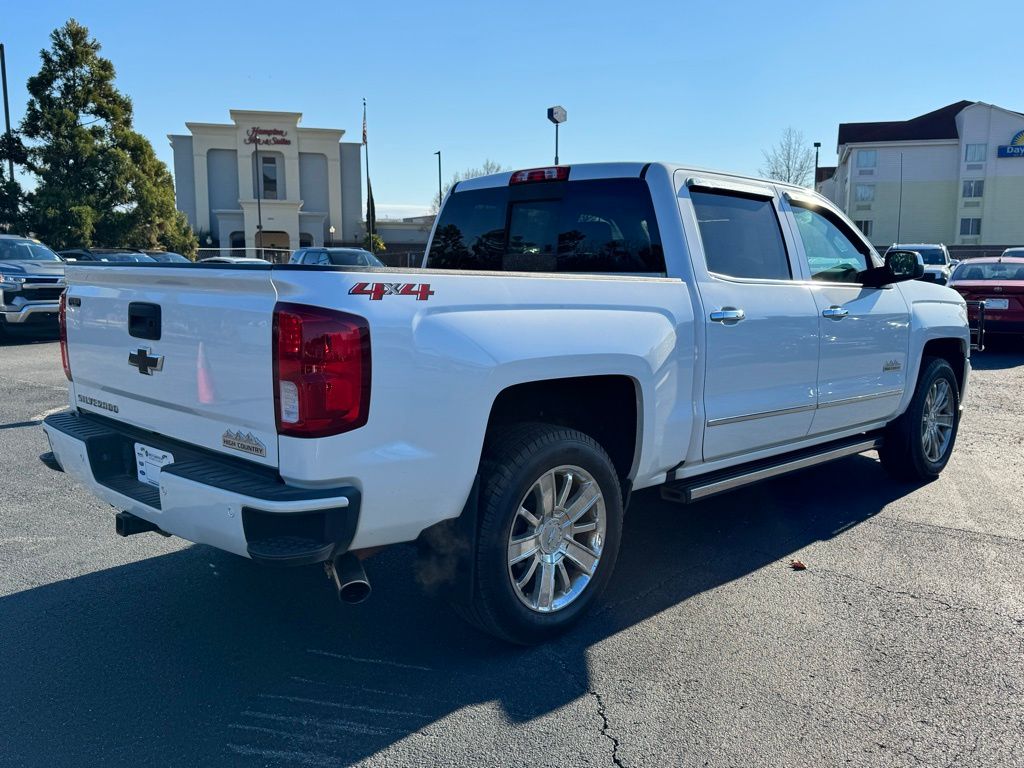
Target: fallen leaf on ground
(796, 565)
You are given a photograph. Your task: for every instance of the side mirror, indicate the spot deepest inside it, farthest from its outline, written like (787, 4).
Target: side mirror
(900, 266)
(904, 265)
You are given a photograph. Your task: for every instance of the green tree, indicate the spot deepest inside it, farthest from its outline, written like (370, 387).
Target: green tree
(378, 243)
(99, 182)
(11, 196)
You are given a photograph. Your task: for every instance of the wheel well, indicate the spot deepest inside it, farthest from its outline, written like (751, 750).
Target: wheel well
(604, 407)
(952, 351)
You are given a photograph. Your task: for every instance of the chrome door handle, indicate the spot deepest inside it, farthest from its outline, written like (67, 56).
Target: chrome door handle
(728, 315)
(835, 312)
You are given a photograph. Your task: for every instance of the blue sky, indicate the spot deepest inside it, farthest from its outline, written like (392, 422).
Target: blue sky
(711, 84)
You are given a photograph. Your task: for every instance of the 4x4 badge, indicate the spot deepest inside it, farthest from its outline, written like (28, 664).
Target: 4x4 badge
(145, 361)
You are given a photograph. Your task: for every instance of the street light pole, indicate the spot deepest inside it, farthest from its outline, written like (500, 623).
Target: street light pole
(557, 115)
(7, 110)
(817, 146)
(259, 192)
(440, 194)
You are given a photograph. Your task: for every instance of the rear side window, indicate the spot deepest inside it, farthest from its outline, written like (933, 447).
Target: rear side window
(598, 226)
(741, 236)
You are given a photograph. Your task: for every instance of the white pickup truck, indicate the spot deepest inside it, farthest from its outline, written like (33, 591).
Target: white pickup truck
(576, 333)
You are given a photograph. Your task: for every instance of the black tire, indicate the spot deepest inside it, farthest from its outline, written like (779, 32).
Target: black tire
(515, 459)
(903, 451)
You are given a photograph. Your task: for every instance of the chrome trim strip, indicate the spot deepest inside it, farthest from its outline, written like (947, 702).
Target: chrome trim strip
(861, 398)
(762, 415)
(710, 489)
(802, 408)
(27, 310)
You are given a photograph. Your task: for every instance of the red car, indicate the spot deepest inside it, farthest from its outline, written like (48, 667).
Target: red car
(999, 282)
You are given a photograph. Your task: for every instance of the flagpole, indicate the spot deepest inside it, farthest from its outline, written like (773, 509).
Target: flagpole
(369, 194)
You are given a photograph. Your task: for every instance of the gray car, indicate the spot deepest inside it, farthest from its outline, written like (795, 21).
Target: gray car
(31, 282)
(336, 257)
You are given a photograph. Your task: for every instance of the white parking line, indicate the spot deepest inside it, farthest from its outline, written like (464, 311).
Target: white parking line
(44, 414)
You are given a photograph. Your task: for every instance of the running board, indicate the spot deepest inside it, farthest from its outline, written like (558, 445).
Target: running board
(703, 486)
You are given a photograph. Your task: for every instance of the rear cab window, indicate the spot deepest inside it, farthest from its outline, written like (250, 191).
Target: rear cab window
(588, 226)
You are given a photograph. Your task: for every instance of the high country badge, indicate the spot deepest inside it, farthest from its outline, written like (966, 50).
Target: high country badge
(246, 443)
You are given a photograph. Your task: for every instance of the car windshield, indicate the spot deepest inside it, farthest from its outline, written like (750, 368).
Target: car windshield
(125, 257)
(352, 257)
(175, 258)
(931, 256)
(25, 250)
(990, 271)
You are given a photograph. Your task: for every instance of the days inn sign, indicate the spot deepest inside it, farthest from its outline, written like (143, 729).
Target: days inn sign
(1015, 148)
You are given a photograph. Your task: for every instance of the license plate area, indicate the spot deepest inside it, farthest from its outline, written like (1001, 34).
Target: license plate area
(148, 463)
(997, 304)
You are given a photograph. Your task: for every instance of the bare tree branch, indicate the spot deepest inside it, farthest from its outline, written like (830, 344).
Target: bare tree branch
(487, 168)
(791, 160)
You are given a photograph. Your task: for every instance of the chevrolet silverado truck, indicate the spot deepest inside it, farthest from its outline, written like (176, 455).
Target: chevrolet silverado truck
(31, 282)
(575, 334)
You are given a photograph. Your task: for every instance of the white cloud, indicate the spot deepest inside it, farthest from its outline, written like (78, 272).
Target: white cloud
(400, 210)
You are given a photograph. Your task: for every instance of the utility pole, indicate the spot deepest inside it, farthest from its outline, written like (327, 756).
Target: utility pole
(7, 109)
(899, 207)
(440, 194)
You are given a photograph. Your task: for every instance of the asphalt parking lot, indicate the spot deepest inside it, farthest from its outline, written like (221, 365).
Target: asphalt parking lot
(901, 644)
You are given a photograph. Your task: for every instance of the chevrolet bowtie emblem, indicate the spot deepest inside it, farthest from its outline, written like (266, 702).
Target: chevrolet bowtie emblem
(145, 362)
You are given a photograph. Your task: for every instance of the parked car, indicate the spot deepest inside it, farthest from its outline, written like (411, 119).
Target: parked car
(168, 257)
(336, 257)
(937, 264)
(232, 260)
(999, 282)
(1014, 252)
(31, 282)
(579, 333)
(107, 255)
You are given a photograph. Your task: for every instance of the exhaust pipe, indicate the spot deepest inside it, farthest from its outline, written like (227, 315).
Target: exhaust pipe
(127, 524)
(349, 578)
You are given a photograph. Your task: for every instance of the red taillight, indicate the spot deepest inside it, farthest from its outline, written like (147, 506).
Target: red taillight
(64, 359)
(554, 173)
(321, 371)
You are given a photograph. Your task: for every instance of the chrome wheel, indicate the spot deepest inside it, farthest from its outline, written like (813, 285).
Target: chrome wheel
(556, 539)
(937, 420)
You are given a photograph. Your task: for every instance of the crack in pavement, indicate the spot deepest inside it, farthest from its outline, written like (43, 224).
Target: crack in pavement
(602, 710)
(605, 728)
(914, 596)
(909, 525)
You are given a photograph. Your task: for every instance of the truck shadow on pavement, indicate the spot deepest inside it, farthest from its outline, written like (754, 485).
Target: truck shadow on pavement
(202, 658)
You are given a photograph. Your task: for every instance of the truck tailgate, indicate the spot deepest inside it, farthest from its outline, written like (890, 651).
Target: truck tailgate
(194, 362)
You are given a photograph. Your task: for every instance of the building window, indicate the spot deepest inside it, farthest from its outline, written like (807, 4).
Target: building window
(865, 226)
(865, 193)
(970, 226)
(974, 187)
(867, 158)
(269, 178)
(975, 153)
